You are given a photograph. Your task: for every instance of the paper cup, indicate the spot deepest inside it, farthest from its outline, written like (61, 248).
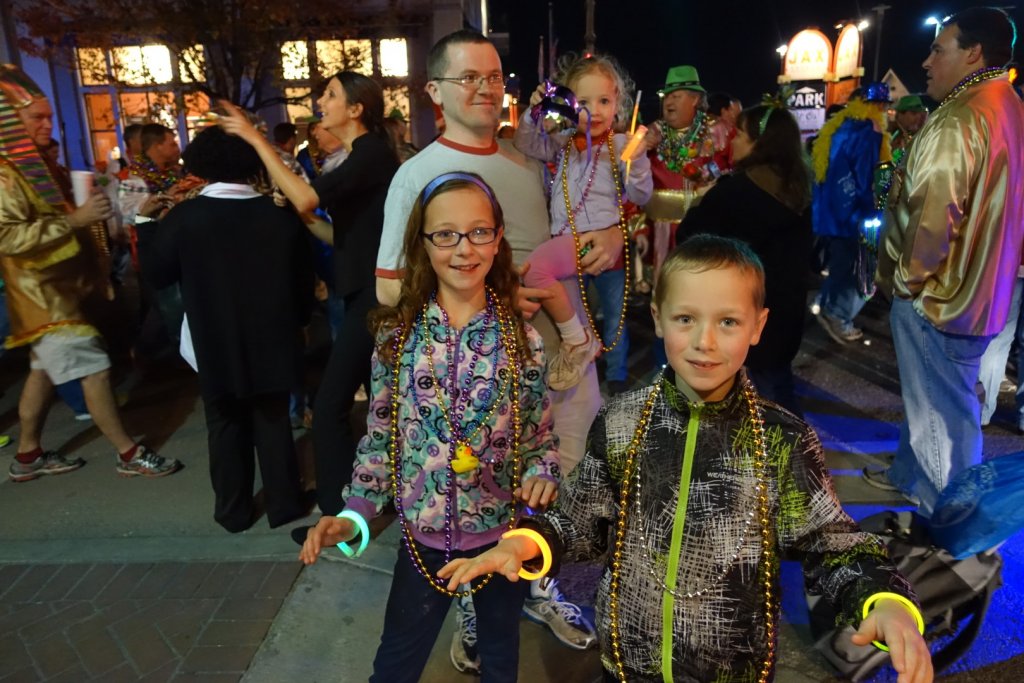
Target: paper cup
(81, 186)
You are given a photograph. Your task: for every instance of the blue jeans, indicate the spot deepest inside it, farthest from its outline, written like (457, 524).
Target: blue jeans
(993, 363)
(416, 611)
(610, 286)
(941, 433)
(839, 296)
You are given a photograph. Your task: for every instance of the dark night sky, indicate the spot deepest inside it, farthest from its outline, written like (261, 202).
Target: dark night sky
(731, 42)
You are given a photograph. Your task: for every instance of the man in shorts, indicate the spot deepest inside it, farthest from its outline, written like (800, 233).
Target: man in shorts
(49, 263)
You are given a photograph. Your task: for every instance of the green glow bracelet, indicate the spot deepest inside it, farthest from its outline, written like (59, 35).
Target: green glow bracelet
(364, 533)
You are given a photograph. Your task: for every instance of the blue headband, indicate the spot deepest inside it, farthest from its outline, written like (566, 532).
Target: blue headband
(432, 186)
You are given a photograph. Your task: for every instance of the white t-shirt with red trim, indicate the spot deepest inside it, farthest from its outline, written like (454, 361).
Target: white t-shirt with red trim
(516, 179)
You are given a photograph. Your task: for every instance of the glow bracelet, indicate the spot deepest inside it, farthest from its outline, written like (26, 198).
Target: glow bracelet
(364, 533)
(870, 602)
(545, 551)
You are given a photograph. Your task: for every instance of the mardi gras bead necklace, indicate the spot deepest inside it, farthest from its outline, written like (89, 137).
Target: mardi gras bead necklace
(157, 180)
(571, 217)
(586, 188)
(763, 514)
(508, 342)
(676, 148)
(459, 437)
(986, 74)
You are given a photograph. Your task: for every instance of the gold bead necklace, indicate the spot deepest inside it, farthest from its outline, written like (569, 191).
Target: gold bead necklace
(570, 215)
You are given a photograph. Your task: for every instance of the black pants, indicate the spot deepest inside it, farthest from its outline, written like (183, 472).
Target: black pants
(416, 612)
(334, 442)
(235, 427)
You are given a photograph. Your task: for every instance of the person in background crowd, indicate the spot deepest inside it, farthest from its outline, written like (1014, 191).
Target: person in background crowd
(726, 109)
(49, 267)
(952, 251)
(765, 202)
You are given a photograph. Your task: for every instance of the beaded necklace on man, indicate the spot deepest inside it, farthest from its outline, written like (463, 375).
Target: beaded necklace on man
(979, 76)
(677, 148)
(571, 219)
(764, 519)
(507, 342)
(157, 180)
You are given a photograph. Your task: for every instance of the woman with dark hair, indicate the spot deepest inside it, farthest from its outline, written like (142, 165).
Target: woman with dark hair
(765, 203)
(352, 109)
(246, 278)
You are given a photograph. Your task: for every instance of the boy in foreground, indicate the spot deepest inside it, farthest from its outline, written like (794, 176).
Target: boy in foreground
(694, 489)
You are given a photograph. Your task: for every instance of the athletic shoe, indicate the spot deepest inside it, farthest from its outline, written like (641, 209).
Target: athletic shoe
(566, 367)
(50, 462)
(83, 417)
(879, 479)
(463, 650)
(147, 463)
(546, 605)
(837, 330)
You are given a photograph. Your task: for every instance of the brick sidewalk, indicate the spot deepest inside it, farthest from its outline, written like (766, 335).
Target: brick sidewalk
(137, 622)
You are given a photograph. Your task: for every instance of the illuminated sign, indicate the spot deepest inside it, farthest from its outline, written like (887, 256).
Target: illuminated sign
(806, 98)
(809, 56)
(847, 52)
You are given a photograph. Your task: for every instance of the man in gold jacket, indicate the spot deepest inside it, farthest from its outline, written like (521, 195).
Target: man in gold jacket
(48, 262)
(951, 252)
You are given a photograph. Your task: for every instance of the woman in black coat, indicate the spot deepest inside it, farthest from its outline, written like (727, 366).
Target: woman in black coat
(246, 278)
(765, 202)
(352, 109)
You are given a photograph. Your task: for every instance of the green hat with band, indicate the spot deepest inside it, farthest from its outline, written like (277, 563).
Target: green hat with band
(911, 103)
(682, 78)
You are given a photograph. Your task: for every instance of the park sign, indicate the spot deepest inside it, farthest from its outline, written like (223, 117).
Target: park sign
(807, 105)
(808, 56)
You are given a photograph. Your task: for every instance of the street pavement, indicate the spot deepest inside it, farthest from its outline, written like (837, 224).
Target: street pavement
(111, 579)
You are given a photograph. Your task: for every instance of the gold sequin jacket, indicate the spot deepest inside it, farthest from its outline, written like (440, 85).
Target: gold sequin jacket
(43, 264)
(954, 239)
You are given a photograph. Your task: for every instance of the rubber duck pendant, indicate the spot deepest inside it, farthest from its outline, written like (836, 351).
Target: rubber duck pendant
(464, 460)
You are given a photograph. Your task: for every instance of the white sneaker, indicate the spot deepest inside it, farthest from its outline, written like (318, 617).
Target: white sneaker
(566, 368)
(546, 605)
(463, 650)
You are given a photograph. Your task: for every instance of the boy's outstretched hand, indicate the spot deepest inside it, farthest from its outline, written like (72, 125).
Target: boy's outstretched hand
(890, 622)
(327, 532)
(506, 559)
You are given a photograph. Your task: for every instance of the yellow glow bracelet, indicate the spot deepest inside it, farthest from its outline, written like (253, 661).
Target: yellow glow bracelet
(545, 551)
(870, 602)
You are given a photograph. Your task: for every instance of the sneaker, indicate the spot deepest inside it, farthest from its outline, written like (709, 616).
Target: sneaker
(546, 605)
(1007, 385)
(565, 369)
(147, 463)
(837, 330)
(878, 478)
(463, 650)
(4, 440)
(50, 462)
(83, 417)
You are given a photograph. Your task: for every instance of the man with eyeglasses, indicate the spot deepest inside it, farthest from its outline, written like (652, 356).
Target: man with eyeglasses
(467, 83)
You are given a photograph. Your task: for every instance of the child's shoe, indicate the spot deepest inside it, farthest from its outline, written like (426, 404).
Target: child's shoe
(566, 368)
(463, 651)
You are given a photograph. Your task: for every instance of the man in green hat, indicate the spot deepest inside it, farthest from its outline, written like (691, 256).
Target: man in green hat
(910, 117)
(681, 147)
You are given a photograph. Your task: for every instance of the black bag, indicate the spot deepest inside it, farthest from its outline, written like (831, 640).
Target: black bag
(950, 591)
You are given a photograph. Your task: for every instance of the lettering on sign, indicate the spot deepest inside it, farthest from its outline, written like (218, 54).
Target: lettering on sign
(847, 52)
(807, 98)
(809, 56)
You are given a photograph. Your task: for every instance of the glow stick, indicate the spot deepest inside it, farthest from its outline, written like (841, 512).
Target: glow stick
(634, 142)
(364, 533)
(631, 145)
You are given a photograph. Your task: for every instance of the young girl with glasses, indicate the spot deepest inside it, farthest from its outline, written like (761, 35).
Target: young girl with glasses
(459, 425)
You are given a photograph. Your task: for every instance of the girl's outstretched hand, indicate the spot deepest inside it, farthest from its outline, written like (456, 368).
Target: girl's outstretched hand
(506, 559)
(235, 122)
(537, 492)
(327, 532)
